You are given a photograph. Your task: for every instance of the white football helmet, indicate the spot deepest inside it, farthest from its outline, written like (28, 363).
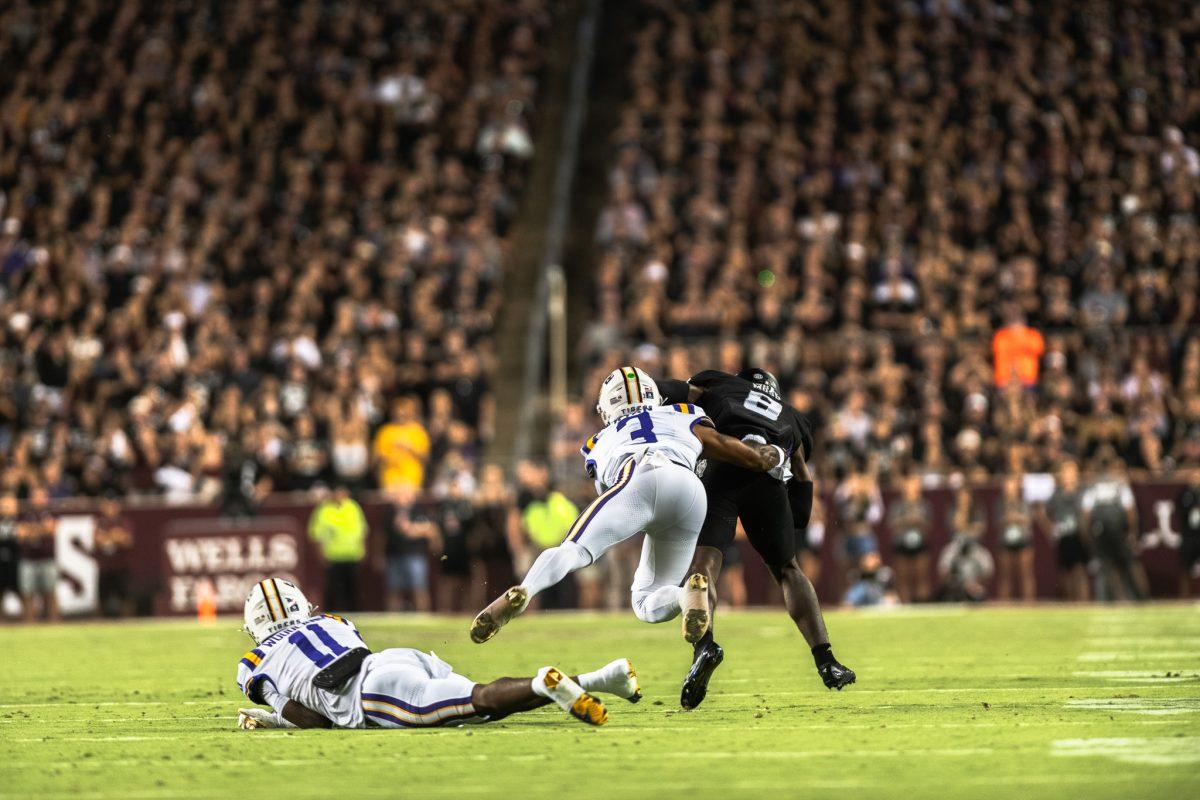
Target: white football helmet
(272, 605)
(627, 390)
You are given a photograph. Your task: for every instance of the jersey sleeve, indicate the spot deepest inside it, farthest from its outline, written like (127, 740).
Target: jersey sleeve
(698, 417)
(589, 463)
(708, 377)
(673, 391)
(256, 684)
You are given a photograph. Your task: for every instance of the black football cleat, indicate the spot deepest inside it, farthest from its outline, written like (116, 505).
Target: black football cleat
(695, 685)
(836, 675)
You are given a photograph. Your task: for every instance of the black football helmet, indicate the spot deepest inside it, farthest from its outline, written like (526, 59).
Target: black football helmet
(763, 381)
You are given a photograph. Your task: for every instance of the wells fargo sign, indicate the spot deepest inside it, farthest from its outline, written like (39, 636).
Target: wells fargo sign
(229, 555)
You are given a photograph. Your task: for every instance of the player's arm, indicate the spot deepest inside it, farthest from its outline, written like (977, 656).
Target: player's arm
(303, 717)
(677, 391)
(758, 457)
(800, 492)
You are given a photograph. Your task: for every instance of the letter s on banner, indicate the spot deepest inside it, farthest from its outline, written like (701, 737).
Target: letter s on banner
(79, 576)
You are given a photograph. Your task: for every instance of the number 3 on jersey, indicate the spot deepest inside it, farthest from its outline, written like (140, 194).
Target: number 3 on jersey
(645, 429)
(763, 405)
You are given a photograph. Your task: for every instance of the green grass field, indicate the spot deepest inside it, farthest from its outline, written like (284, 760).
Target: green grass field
(1043, 703)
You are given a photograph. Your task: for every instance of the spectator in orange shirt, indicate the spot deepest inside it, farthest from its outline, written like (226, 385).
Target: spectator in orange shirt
(402, 447)
(1017, 350)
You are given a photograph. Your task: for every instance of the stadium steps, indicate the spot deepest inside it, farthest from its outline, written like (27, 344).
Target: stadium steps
(523, 270)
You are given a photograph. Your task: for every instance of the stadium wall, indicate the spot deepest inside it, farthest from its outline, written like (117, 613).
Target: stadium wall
(180, 547)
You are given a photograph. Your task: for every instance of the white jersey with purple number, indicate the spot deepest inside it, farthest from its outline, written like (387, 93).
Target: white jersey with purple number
(668, 430)
(290, 659)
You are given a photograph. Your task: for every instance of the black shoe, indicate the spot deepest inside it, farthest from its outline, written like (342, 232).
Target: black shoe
(695, 685)
(835, 675)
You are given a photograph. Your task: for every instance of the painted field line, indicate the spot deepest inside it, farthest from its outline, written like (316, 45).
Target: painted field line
(1147, 656)
(1163, 751)
(1150, 706)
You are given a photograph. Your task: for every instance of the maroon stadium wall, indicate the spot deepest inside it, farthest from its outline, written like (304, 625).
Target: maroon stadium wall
(179, 546)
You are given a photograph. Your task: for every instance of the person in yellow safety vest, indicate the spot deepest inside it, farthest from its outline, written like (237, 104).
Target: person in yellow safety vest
(339, 526)
(546, 516)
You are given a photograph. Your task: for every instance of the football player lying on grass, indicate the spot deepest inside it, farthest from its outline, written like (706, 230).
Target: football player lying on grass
(315, 671)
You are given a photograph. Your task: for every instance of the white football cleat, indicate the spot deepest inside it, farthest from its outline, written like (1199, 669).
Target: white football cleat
(619, 678)
(571, 697)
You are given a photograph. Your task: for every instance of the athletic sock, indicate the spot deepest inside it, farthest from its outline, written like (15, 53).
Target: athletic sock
(823, 654)
(707, 638)
(553, 565)
(613, 675)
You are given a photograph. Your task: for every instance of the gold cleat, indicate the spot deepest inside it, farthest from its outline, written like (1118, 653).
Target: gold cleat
(498, 614)
(590, 710)
(634, 688)
(695, 608)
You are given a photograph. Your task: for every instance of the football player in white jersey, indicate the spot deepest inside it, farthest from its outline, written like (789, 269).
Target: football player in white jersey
(644, 465)
(315, 671)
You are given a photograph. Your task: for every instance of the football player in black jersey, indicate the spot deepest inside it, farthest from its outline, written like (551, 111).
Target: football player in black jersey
(750, 405)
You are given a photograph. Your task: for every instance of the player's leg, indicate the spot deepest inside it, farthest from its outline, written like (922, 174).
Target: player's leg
(921, 565)
(406, 688)
(613, 517)
(716, 534)
(903, 564)
(767, 517)
(678, 512)
(1028, 580)
(1005, 574)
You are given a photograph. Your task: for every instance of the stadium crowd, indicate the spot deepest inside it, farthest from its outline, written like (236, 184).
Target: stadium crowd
(262, 251)
(262, 247)
(964, 235)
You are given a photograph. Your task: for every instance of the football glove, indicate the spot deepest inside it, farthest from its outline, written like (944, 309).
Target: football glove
(250, 719)
(781, 471)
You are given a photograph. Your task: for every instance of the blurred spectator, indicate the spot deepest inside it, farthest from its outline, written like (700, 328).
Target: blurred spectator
(1188, 504)
(408, 535)
(1014, 521)
(402, 447)
(248, 480)
(495, 535)
(455, 517)
(872, 585)
(1017, 351)
(1060, 516)
(546, 517)
(909, 520)
(860, 508)
(112, 547)
(38, 569)
(965, 567)
(339, 528)
(10, 549)
(1110, 523)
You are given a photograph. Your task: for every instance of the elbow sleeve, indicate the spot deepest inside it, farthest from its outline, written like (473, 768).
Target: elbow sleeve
(673, 391)
(800, 497)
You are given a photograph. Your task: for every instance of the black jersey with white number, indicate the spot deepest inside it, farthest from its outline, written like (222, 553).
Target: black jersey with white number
(738, 409)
